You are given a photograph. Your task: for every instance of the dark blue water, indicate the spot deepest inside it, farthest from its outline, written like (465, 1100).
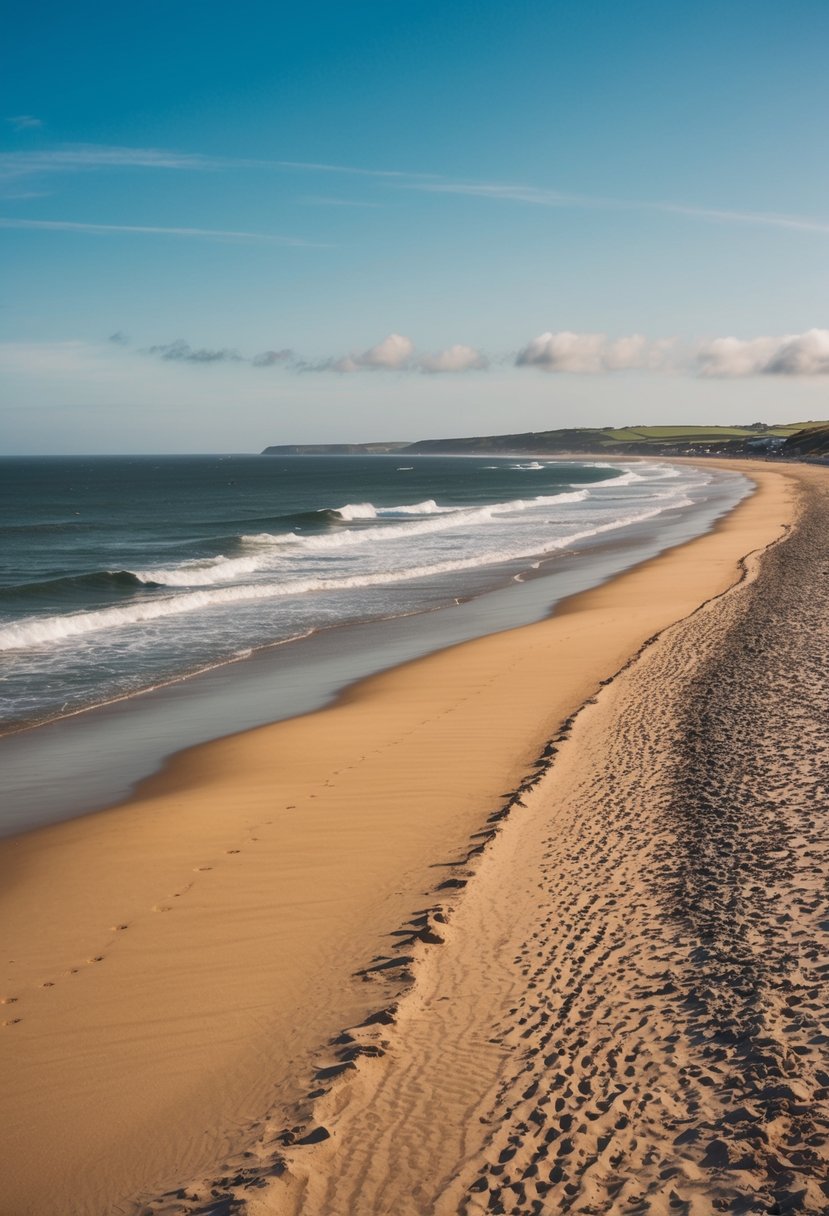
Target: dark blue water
(119, 574)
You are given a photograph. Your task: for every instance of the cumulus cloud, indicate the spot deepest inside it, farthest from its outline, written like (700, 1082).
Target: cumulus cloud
(24, 122)
(805, 354)
(182, 352)
(591, 353)
(456, 358)
(270, 358)
(395, 353)
(392, 354)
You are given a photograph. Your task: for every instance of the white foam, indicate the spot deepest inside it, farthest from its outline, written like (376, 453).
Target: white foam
(271, 549)
(626, 479)
(204, 573)
(357, 510)
(37, 631)
(429, 507)
(438, 519)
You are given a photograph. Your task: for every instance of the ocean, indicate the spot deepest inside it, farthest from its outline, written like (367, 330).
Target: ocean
(123, 575)
(119, 574)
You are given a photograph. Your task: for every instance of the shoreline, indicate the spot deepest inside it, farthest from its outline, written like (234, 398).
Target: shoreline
(627, 1011)
(190, 993)
(283, 680)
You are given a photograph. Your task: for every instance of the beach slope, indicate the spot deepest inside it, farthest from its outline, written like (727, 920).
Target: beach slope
(178, 971)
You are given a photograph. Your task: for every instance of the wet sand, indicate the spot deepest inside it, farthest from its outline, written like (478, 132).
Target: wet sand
(181, 962)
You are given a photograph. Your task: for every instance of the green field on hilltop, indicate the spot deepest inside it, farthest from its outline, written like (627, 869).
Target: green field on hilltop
(688, 434)
(701, 434)
(802, 439)
(634, 440)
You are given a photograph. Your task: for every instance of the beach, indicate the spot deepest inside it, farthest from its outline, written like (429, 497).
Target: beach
(530, 924)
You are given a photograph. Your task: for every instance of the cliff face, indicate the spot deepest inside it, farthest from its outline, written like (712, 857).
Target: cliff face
(812, 442)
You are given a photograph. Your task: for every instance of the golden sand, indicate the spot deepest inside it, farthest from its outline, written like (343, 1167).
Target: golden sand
(170, 966)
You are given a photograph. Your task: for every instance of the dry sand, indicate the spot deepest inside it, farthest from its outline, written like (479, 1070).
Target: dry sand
(173, 967)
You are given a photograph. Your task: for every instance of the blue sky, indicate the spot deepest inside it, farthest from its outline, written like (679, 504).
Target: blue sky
(438, 219)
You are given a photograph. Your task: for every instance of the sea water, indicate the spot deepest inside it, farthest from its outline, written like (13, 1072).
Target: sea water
(119, 574)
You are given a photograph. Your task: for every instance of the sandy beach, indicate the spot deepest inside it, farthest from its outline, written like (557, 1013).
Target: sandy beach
(534, 924)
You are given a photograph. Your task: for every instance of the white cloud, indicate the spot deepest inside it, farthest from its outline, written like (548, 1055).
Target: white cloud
(456, 358)
(733, 357)
(805, 354)
(591, 354)
(392, 354)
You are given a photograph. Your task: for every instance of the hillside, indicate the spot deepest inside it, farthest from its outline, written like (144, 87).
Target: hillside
(810, 443)
(633, 440)
(796, 439)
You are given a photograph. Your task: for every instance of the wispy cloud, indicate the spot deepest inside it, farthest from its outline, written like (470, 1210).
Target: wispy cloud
(78, 158)
(216, 234)
(24, 122)
(182, 352)
(274, 358)
(805, 354)
(539, 197)
(92, 156)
